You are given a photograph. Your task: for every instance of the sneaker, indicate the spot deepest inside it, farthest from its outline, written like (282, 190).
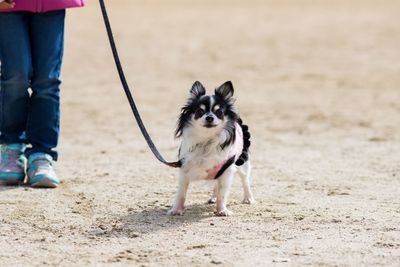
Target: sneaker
(12, 164)
(40, 171)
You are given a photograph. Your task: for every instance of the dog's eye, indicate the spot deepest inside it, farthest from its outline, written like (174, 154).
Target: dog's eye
(219, 113)
(199, 113)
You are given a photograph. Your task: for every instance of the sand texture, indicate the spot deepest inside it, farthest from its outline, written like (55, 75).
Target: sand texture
(318, 82)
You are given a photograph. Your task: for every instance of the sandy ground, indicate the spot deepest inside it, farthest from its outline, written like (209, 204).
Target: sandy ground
(317, 81)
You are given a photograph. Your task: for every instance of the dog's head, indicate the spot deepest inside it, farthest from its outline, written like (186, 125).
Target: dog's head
(208, 114)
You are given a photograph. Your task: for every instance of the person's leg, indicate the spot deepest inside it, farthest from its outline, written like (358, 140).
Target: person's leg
(47, 43)
(42, 130)
(15, 74)
(15, 71)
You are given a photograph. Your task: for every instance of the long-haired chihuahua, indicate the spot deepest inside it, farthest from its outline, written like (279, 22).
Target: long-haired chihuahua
(215, 145)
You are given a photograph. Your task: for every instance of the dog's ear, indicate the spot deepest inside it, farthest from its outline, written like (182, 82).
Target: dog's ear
(197, 90)
(225, 90)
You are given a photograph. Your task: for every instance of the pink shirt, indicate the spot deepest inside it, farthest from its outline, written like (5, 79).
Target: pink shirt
(44, 5)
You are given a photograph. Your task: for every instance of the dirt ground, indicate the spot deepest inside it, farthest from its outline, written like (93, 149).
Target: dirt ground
(317, 81)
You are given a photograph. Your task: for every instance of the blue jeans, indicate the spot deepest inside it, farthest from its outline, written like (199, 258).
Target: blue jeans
(31, 50)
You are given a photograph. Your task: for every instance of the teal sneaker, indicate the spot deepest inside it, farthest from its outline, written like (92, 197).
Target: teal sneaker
(40, 171)
(12, 164)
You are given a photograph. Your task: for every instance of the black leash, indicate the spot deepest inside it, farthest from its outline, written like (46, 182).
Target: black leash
(135, 111)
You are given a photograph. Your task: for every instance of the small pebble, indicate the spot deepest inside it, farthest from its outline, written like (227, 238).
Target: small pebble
(102, 227)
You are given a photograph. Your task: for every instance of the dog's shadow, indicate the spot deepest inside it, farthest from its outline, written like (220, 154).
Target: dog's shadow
(152, 220)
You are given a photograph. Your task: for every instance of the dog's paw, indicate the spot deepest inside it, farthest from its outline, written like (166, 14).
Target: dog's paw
(224, 212)
(248, 200)
(175, 212)
(212, 200)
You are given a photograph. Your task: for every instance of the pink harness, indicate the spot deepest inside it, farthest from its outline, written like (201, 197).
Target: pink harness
(235, 150)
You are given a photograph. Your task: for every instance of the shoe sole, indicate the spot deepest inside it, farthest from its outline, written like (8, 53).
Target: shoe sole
(10, 182)
(11, 179)
(45, 183)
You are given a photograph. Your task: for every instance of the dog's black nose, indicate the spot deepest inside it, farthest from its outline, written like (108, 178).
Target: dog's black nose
(209, 119)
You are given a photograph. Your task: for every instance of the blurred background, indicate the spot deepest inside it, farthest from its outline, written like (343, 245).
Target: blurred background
(296, 65)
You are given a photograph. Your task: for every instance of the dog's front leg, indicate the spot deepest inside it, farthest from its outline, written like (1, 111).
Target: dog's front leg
(224, 184)
(179, 206)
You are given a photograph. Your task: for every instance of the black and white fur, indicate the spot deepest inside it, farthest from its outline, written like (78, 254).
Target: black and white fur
(207, 128)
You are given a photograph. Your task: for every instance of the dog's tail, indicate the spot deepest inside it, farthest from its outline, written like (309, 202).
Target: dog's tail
(246, 144)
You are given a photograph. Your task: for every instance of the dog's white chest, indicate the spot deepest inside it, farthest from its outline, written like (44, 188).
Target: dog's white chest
(199, 159)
